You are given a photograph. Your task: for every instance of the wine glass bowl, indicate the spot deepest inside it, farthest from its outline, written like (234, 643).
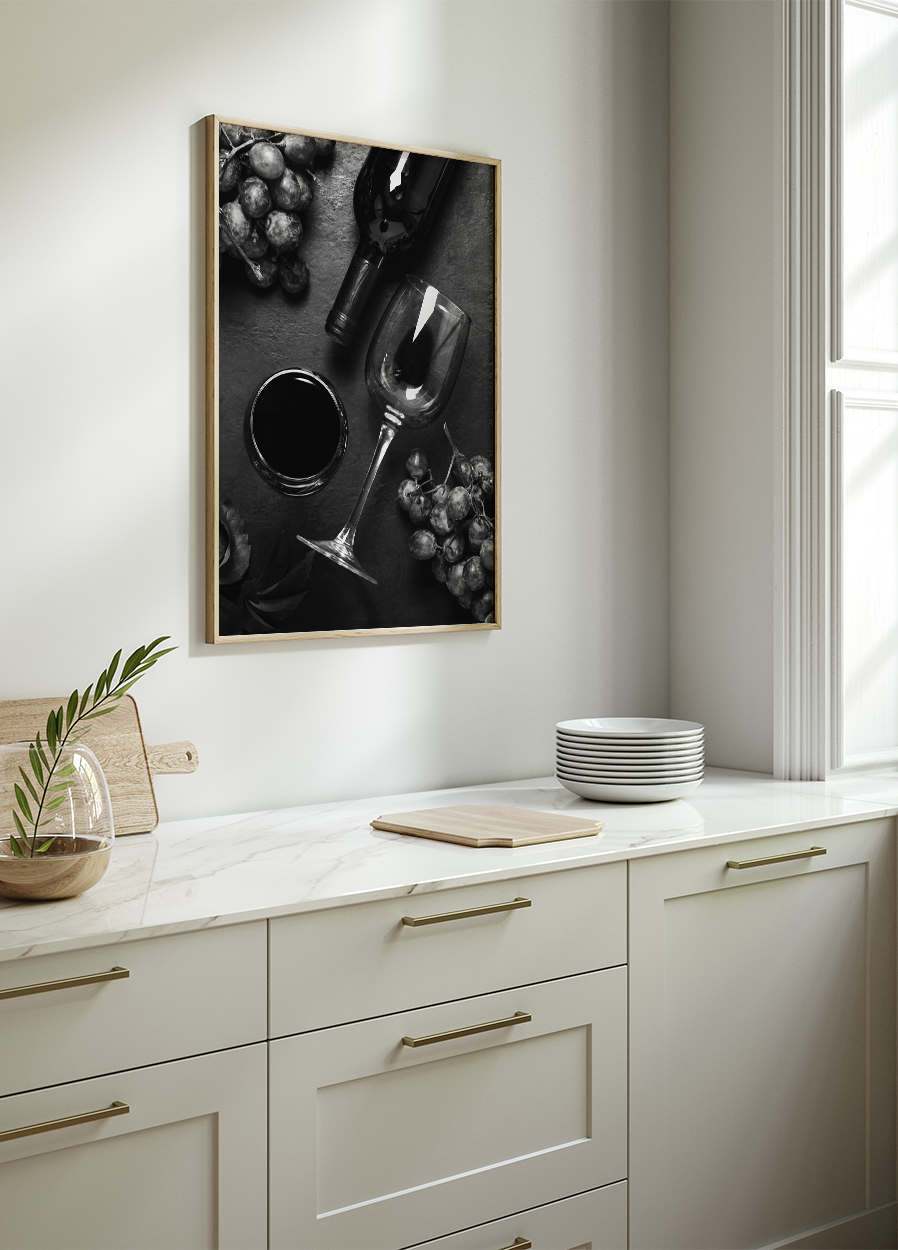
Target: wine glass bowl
(410, 371)
(416, 353)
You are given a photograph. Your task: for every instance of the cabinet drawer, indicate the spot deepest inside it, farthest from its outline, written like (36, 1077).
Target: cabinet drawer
(352, 963)
(184, 1167)
(185, 994)
(593, 1221)
(376, 1144)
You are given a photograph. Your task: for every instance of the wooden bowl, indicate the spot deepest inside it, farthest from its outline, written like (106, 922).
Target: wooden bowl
(68, 868)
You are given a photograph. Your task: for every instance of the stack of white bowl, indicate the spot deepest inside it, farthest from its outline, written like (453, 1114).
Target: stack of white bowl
(629, 759)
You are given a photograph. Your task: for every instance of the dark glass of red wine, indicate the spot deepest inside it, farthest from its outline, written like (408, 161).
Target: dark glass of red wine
(295, 431)
(411, 370)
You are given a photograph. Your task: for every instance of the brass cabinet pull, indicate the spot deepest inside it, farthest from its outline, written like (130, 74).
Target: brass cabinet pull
(519, 1243)
(414, 921)
(519, 1017)
(775, 859)
(47, 1126)
(94, 978)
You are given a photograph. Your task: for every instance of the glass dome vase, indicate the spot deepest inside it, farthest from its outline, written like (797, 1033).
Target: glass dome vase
(56, 828)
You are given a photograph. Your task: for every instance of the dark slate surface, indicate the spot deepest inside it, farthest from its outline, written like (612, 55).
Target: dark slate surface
(264, 331)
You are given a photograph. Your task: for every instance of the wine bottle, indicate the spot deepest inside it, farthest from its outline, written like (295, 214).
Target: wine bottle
(395, 201)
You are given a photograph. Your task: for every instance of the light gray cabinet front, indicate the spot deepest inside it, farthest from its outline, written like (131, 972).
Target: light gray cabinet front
(376, 1144)
(762, 1039)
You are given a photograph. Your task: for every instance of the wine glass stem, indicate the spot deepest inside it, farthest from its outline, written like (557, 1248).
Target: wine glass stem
(386, 436)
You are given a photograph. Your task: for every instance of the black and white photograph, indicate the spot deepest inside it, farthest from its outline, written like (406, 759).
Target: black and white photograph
(352, 386)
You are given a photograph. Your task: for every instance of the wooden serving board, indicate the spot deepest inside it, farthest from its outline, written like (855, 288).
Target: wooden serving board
(117, 741)
(488, 825)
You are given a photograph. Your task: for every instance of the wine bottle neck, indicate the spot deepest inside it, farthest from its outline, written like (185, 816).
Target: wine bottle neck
(361, 279)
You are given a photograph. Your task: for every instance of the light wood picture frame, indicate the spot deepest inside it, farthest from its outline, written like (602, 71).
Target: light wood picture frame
(311, 239)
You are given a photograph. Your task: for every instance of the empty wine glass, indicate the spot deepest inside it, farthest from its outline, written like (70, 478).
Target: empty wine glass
(410, 370)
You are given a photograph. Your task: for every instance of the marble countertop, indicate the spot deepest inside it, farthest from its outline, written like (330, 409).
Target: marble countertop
(221, 870)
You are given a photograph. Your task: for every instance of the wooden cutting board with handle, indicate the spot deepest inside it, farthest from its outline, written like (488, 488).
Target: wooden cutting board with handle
(117, 741)
(474, 824)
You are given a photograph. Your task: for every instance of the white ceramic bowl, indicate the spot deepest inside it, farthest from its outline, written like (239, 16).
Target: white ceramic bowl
(587, 753)
(624, 778)
(625, 757)
(630, 793)
(595, 743)
(628, 778)
(629, 727)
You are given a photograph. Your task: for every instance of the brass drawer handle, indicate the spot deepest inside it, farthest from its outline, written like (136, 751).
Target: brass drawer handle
(414, 921)
(47, 1126)
(519, 1243)
(775, 859)
(519, 1017)
(114, 974)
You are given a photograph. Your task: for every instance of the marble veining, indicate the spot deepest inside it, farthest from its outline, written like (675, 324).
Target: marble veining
(226, 869)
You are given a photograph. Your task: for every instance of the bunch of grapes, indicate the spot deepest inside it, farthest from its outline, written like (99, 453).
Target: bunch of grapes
(456, 526)
(265, 181)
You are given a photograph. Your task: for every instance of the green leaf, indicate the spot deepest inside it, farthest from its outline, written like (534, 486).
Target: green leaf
(16, 849)
(98, 689)
(113, 665)
(48, 807)
(133, 660)
(71, 709)
(64, 785)
(51, 732)
(49, 842)
(23, 803)
(103, 711)
(31, 789)
(84, 699)
(66, 771)
(19, 825)
(36, 764)
(60, 727)
(43, 754)
(155, 643)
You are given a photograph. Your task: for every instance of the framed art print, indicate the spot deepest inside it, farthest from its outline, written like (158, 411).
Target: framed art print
(352, 453)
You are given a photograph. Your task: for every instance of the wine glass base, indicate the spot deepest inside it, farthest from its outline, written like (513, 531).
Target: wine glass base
(341, 553)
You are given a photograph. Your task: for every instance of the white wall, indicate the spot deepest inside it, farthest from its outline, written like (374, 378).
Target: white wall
(101, 361)
(723, 252)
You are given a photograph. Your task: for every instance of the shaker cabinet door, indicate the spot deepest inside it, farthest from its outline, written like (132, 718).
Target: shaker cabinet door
(762, 1038)
(376, 1144)
(183, 1168)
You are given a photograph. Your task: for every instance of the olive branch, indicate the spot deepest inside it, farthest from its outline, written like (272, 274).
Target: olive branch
(50, 768)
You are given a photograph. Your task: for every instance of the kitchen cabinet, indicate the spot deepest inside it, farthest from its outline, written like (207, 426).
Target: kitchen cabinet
(378, 1144)
(762, 1042)
(159, 1157)
(185, 1166)
(398, 1126)
(633, 1045)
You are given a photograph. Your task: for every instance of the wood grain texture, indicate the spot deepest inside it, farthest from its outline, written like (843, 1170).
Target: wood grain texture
(117, 742)
(172, 757)
(212, 245)
(488, 825)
